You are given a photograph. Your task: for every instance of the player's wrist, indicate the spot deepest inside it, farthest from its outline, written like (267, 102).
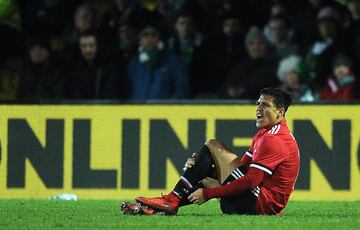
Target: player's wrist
(206, 193)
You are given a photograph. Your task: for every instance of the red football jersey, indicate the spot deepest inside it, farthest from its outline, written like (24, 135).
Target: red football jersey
(276, 152)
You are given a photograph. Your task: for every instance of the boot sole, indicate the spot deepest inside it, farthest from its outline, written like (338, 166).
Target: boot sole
(164, 208)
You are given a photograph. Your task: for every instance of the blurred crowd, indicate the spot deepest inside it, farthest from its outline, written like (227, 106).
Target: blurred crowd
(178, 49)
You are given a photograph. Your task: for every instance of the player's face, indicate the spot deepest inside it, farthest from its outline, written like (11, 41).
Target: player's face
(267, 115)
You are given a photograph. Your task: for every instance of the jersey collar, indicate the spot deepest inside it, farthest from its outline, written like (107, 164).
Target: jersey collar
(282, 123)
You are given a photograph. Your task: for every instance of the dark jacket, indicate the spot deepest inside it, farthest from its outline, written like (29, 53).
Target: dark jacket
(221, 58)
(253, 75)
(100, 80)
(42, 81)
(194, 56)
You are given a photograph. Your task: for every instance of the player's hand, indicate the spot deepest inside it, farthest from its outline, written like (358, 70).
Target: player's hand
(209, 182)
(197, 197)
(190, 162)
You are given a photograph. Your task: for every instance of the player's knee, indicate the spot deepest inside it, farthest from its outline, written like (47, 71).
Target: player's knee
(211, 143)
(216, 147)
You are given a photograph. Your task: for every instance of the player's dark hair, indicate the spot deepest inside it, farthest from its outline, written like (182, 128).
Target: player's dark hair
(282, 98)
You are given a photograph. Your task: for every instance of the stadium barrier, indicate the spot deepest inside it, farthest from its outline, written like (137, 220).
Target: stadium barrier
(122, 151)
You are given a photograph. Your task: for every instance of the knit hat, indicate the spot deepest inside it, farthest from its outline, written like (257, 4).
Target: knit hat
(287, 65)
(252, 34)
(329, 12)
(149, 30)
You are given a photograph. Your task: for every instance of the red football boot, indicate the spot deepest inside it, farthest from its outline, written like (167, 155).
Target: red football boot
(168, 204)
(136, 209)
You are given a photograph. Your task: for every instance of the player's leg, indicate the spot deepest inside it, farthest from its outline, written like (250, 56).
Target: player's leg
(188, 182)
(225, 160)
(213, 152)
(227, 165)
(229, 168)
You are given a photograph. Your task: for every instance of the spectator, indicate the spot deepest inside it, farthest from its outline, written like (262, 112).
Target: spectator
(127, 42)
(95, 76)
(155, 73)
(186, 37)
(42, 75)
(188, 44)
(305, 23)
(122, 11)
(279, 35)
(84, 18)
(332, 40)
(289, 73)
(340, 84)
(216, 12)
(223, 53)
(253, 72)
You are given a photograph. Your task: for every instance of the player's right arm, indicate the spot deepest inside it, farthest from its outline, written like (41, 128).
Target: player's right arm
(251, 179)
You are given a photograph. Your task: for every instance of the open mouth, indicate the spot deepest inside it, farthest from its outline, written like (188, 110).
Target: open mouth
(259, 116)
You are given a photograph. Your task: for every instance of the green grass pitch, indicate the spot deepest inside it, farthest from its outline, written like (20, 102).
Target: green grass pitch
(89, 214)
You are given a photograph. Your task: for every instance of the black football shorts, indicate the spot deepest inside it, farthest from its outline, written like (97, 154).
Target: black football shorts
(244, 204)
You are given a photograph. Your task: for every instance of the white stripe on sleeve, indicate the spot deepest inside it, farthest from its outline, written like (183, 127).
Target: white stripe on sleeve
(261, 168)
(249, 154)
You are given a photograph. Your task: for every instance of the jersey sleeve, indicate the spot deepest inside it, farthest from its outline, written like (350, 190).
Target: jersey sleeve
(247, 158)
(251, 179)
(269, 154)
(248, 155)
